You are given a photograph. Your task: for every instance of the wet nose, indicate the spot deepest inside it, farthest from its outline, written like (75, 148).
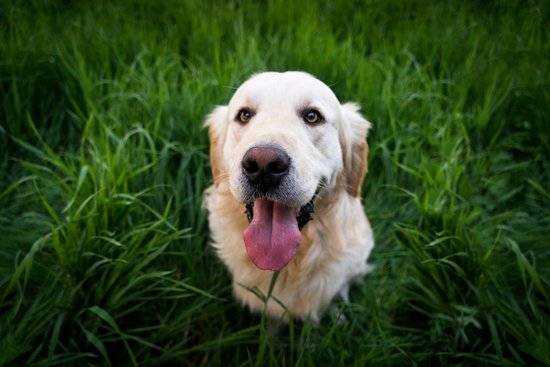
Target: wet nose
(265, 166)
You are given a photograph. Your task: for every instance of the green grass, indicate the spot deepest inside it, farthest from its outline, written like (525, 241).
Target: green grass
(104, 256)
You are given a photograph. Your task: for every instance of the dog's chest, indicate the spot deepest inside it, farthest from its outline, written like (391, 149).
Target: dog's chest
(328, 257)
(311, 279)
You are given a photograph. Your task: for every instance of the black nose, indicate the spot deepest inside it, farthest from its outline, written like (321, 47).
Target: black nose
(265, 166)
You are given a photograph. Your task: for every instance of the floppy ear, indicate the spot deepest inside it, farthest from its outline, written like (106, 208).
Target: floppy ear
(215, 122)
(354, 147)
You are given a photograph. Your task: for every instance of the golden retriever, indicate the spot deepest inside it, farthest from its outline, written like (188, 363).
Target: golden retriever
(288, 162)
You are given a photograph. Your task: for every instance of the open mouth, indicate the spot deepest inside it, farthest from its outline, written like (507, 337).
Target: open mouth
(273, 233)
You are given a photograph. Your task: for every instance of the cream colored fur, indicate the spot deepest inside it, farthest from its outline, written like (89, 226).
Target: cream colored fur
(336, 244)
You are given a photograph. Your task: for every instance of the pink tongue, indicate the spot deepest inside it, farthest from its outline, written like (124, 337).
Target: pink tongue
(272, 237)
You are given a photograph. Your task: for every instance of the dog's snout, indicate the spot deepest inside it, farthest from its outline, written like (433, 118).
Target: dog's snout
(265, 166)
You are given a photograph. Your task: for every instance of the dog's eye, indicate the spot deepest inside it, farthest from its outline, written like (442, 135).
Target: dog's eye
(244, 115)
(312, 116)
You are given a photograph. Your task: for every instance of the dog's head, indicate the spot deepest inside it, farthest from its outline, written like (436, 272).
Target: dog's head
(283, 138)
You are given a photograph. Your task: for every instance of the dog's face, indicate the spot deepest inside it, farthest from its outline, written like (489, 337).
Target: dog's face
(293, 117)
(282, 138)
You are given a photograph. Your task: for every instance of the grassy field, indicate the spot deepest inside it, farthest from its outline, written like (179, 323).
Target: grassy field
(104, 255)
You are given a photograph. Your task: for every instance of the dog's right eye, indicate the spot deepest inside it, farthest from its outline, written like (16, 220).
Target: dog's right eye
(312, 116)
(244, 115)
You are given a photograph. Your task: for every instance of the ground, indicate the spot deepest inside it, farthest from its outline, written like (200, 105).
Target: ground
(104, 255)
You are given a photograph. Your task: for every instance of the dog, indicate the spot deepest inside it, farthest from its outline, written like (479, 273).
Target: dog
(288, 161)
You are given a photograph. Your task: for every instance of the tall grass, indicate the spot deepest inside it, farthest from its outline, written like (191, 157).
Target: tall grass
(104, 258)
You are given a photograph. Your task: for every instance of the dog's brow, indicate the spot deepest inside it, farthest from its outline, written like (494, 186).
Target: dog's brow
(308, 105)
(305, 105)
(247, 102)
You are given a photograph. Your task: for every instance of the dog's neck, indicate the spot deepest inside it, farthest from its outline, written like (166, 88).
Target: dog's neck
(326, 230)
(325, 203)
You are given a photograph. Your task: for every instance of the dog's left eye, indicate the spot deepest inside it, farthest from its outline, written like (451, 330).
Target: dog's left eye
(312, 116)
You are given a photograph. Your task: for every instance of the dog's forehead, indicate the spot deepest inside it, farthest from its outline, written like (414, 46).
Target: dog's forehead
(289, 87)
